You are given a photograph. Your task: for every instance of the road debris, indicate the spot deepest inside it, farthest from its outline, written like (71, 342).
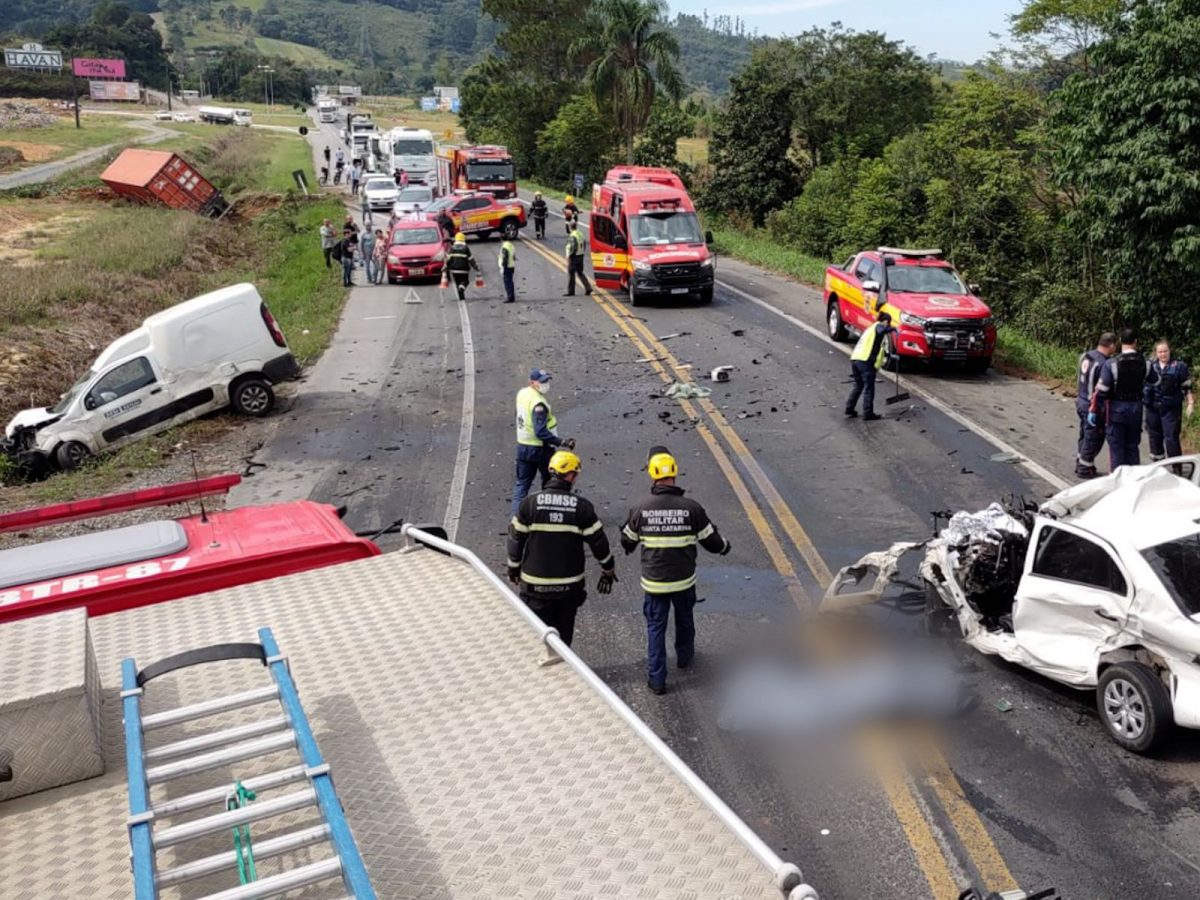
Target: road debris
(1006, 457)
(673, 334)
(686, 390)
(721, 373)
(1003, 705)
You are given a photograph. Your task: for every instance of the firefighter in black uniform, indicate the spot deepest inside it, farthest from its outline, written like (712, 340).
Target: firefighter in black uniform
(1119, 393)
(539, 211)
(459, 263)
(668, 525)
(545, 548)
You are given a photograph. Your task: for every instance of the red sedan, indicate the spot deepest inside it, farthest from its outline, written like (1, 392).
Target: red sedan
(415, 250)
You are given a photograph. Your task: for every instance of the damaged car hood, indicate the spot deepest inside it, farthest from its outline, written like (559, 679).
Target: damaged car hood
(30, 418)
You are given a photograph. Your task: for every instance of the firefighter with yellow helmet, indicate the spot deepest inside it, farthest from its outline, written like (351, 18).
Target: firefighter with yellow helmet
(570, 213)
(459, 264)
(546, 538)
(668, 526)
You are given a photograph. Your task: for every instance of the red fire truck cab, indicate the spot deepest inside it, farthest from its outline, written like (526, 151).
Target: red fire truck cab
(646, 238)
(121, 568)
(486, 168)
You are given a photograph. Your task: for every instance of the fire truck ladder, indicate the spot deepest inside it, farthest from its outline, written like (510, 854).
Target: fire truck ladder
(192, 755)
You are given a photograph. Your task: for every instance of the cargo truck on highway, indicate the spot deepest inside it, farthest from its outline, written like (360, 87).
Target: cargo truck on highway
(225, 115)
(412, 151)
(327, 110)
(645, 237)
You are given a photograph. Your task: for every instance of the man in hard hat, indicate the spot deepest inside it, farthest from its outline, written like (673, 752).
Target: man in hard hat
(545, 547)
(539, 211)
(459, 264)
(668, 526)
(576, 248)
(570, 213)
(537, 435)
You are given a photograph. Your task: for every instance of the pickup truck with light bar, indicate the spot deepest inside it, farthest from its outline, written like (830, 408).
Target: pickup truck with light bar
(481, 214)
(937, 315)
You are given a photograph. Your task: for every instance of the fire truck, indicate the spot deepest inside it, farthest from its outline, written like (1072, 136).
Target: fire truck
(646, 238)
(486, 168)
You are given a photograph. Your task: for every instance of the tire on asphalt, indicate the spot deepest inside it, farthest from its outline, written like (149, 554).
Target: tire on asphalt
(252, 397)
(509, 229)
(71, 455)
(979, 365)
(834, 323)
(635, 299)
(706, 295)
(1134, 706)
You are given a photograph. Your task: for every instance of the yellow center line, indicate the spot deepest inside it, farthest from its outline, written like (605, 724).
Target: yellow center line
(929, 853)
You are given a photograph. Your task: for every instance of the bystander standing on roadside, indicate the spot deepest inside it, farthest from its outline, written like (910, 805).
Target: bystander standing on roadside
(355, 175)
(381, 249)
(367, 217)
(327, 155)
(349, 247)
(366, 246)
(328, 239)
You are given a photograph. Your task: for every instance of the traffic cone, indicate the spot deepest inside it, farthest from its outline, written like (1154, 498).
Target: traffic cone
(478, 281)
(445, 280)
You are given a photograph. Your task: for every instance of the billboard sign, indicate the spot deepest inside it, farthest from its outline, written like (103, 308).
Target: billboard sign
(446, 93)
(98, 68)
(32, 56)
(429, 104)
(115, 90)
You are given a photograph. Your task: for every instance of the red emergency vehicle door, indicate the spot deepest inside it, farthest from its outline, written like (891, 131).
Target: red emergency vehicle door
(610, 253)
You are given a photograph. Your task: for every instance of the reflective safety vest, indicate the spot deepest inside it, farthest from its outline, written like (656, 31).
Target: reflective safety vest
(508, 255)
(872, 346)
(527, 399)
(575, 244)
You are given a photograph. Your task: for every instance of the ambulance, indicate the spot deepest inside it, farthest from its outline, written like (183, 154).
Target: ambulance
(646, 237)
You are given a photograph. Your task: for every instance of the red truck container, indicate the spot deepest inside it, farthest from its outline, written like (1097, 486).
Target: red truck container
(150, 176)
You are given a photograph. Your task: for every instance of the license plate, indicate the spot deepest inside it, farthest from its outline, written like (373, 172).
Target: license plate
(416, 271)
(679, 290)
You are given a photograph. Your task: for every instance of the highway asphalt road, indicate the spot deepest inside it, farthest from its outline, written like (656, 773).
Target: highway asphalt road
(410, 415)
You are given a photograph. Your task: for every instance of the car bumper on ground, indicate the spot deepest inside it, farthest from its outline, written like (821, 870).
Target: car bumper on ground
(946, 340)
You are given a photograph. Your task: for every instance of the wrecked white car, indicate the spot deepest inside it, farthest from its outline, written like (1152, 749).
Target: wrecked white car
(1099, 587)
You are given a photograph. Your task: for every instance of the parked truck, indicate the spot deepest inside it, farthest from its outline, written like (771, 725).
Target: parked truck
(327, 109)
(159, 176)
(224, 115)
(487, 168)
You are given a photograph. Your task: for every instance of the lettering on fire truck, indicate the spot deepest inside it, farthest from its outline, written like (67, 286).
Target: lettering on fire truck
(91, 580)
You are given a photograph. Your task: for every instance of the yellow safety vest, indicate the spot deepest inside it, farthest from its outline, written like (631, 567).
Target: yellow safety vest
(862, 350)
(527, 399)
(508, 255)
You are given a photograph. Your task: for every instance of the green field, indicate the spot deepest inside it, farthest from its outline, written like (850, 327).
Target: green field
(64, 139)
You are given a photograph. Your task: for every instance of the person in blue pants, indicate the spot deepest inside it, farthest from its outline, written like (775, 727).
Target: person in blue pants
(1165, 402)
(668, 526)
(1091, 438)
(1120, 391)
(537, 436)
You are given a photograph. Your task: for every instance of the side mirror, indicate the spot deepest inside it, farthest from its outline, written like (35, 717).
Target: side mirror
(708, 237)
(89, 402)
(871, 287)
(973, 288)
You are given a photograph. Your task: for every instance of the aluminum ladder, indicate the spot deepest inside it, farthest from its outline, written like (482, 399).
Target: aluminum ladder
(193, 755)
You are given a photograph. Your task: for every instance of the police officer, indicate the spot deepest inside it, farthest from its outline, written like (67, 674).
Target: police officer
(870, 354)
(570, 213)
(545, 547)
(539, 211)
(1164, 402)
(537, 437)
(668, 526)
(1119, 393)
(459, 263)
(1091, 439)
(508, 261)
(575, 250)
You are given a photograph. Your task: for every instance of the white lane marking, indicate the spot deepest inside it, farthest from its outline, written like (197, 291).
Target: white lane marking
(376, 318)
(463, 459)
(1036, 468)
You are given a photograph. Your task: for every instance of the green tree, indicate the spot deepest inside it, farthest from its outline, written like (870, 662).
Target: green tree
(658, 143)
(114, 30)
(577, 140)
(631, 55)
(1128, 142)
(751, 140)
(1062, 33)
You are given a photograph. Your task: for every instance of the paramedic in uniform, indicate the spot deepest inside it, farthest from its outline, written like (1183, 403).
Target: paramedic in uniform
(1164, 403)
(1091, 438)
(545, 547)
(1121, 385)
(668, 526)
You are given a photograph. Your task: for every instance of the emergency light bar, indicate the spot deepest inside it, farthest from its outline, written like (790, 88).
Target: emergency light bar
(893, 251)
(93, 507)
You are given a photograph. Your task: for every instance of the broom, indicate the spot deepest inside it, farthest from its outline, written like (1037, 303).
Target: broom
(899, 395)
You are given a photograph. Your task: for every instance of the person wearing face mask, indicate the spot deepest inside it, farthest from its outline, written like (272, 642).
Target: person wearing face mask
(537, 436)
(1164, 402)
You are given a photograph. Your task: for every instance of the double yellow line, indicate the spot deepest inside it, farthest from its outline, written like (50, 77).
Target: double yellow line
(895, 779)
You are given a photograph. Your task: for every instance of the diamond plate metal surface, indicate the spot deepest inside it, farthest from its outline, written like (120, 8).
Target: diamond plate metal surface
(465, 768)
(49, 703)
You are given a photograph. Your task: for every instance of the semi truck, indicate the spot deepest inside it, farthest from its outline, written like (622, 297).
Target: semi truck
(327, 109)
(412, 151)
(488, 168)
(225, 115)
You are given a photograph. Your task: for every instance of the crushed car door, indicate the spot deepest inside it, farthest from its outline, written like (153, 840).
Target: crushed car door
(1073, 600)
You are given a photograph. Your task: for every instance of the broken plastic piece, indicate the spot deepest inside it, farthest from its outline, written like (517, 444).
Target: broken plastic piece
(1003, 705)
(686, 390)
(1005, 457)
(721, 373)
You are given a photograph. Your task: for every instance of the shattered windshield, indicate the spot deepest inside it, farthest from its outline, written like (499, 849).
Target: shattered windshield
(1177, 565)
(75, 390)
(924, 280)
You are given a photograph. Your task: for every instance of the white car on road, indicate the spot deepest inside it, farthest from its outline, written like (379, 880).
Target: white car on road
(415, 198)
(1099, 588)
(183, 117)
(380, 192)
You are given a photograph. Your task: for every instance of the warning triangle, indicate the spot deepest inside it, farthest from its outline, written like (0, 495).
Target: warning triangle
(412, 296)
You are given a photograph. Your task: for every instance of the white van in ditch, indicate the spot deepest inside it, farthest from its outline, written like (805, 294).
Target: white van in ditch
(219, 349)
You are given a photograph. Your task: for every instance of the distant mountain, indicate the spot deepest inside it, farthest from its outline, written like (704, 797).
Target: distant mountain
(396, 44)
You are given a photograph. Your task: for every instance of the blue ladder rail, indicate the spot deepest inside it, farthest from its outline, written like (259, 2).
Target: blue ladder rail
(351, 868)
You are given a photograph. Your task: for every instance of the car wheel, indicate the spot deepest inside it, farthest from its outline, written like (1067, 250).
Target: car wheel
(71, 455)
(635, 298)
(1134, 706)
(979, 365)
(510, 229)
(706, 294)
(837, 328)
(252, 397)
(893, 359)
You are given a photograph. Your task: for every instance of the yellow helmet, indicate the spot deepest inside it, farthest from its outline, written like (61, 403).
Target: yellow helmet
(460, 237)
(569, 199)
(662, 465)
(563, 462)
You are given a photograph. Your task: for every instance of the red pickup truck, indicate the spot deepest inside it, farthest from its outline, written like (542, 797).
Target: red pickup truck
(938, 317)
(480, 214)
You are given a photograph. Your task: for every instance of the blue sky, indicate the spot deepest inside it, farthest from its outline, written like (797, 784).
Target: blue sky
(953, 29)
